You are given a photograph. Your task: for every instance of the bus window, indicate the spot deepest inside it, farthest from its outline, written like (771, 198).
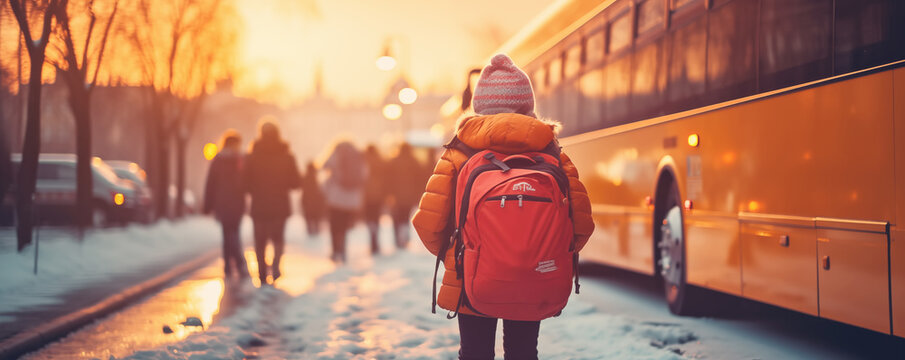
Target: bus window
(539, 80)
(650, 15)
(569, 113)
(649, 80)
(618, 76)
(731, 58)
(594, 48)
(590, 87)
(864, 34)
(795, 42)
(686, 74)
(681, 4)
(573, 61)
(620, 33)
(555, 72)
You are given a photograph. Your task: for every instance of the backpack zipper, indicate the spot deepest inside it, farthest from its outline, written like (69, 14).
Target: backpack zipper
(521, 199)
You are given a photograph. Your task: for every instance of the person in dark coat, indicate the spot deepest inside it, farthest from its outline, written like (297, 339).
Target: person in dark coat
(314, 205)
(375, 193)
(344, 190)
(223, 196)
(406, 187)
(270, 173)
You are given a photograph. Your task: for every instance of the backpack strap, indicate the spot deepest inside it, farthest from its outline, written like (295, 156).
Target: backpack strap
(553, 149)
(457, 144)
(575, 271)
(442, 253)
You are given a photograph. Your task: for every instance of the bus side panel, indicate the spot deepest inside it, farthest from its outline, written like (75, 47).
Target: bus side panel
(751, 159)
(621, 240)
(854, 148)
(897, 236)
(713, 253)
(853, 278)
(619, 173)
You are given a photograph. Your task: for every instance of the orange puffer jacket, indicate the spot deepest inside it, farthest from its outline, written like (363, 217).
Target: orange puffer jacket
(505, 133)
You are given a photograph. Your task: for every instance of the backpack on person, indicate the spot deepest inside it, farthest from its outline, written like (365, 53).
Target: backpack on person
(513, 241)
(351, 167)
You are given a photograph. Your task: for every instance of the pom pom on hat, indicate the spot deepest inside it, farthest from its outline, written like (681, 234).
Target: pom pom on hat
(503, 88)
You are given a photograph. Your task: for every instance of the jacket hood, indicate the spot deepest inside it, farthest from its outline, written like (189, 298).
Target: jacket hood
(506, 132)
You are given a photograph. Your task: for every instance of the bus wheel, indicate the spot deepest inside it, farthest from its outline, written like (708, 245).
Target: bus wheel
(671, 254)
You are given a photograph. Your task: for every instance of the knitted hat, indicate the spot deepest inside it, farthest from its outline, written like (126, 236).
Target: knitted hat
(503, 88)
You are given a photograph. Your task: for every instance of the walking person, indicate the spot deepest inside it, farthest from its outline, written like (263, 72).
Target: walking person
(405, 188)
(375, 194)
(314, 207)
(269, 175)
(344, 191)
(223, 196)
(505, 134)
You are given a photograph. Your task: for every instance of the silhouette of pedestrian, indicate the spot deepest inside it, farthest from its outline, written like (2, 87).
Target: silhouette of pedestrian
(375, 193)
(406, 187)
(344, 192)
(270, 173)
(223, 196)
(313, 202)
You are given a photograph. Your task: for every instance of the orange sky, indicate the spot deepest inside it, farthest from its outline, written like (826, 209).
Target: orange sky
(437, 41)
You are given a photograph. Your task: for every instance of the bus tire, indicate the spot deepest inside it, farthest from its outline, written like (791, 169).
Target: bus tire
(669, 248)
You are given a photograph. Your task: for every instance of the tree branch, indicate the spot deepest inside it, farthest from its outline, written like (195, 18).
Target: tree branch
(100, 55)
(21, 17)
(84, 65)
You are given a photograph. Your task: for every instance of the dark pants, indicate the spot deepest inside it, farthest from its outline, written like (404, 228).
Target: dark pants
(340, 221)
(313, 224)
(269, 230)
(477, 336)
(233, 258)
(372, 219)
(401, 215)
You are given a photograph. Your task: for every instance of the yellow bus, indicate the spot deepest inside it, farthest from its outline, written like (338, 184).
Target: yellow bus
(753, 147)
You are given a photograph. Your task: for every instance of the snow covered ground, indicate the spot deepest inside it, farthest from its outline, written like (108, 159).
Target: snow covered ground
(379, 308)
(66, 264)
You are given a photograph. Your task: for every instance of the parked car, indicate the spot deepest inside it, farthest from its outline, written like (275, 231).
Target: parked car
(115, 200)
(131, 171)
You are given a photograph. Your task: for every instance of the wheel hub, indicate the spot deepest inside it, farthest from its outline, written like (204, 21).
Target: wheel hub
(671, 247)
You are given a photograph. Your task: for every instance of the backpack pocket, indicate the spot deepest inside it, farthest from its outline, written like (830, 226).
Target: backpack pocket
(531, 292)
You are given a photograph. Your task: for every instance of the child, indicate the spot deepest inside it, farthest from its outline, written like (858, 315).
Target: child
(504, 122)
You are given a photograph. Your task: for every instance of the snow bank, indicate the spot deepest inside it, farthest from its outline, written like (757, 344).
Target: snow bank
(379, 308)
(65, 264)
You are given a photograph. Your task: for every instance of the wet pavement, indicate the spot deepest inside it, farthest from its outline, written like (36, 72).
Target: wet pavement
(204, 294)
(98, 287)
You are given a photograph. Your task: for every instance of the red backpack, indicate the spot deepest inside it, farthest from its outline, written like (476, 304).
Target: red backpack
(514, 245)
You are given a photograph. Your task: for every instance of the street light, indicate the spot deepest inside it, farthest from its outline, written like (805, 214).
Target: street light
(407, 96)
(386, 63)
(392, 111)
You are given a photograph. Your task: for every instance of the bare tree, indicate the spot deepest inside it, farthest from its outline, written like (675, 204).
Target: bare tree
(76, 71)
(210, 60)
(164, 36)
(28, 169)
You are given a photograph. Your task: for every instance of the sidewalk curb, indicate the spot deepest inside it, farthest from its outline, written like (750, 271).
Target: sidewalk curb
(35, 338)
